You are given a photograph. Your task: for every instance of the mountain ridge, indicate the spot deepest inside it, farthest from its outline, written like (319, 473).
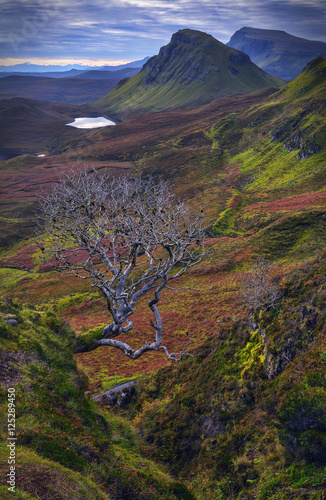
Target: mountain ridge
(66, 70)
(277, 52)
(192, 69)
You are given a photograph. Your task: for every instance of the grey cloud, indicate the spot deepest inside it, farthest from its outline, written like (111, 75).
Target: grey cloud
(136, 28)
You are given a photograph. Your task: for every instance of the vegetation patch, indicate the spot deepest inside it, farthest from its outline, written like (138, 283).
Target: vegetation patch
(66, 446)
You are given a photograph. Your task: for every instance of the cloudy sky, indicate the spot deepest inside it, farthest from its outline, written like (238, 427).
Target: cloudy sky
(116, 31)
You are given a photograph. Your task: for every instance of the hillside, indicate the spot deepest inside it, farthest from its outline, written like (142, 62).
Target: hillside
(66, 447)
(245, 417)
(193, 69)
(276, 52)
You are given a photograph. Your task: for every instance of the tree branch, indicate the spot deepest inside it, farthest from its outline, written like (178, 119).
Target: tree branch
(129, 236)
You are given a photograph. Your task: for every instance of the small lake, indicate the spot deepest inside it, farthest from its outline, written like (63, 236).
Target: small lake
(91, 122)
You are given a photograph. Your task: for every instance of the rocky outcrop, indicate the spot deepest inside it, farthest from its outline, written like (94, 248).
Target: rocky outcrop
(119, 395)
(277, 356)
(239, 58)
(308, 149)
(295, 136)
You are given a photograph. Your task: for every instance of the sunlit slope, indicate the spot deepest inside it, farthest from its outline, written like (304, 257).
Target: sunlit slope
(193, 69)
(281, 142)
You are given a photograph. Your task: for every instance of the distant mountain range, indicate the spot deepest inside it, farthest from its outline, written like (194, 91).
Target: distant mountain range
(28, 67)
(277, 52)
(134, 64)
(67, 71)
(193, 69)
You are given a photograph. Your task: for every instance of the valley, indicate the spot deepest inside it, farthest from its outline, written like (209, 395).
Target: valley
(243, 417)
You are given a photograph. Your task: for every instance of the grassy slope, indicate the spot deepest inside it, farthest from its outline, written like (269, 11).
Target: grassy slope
(66, 447)
(192, 69)
(245, 418)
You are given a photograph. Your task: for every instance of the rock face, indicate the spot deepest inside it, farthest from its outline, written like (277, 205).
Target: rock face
(277, 52)
(303, 131)
(193, 69)
(293, 137)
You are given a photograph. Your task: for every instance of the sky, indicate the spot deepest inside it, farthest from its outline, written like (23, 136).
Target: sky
(101, 32)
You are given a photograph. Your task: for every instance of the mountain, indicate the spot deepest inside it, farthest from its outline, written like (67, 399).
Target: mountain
(193, 69)
(28, 69)
(75, 73)
(277, 52)
(49, 74)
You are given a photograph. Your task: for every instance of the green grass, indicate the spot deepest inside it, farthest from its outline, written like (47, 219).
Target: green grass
(248, 411)
(10, 277)
(66, 446)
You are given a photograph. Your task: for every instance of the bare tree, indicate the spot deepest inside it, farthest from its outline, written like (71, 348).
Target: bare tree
(258, 288)
(129, 236)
